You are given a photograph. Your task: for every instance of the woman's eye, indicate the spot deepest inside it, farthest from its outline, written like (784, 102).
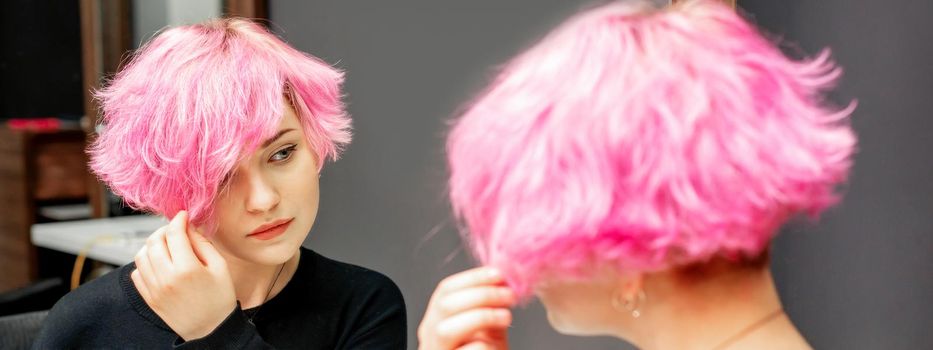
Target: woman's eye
(283, 154)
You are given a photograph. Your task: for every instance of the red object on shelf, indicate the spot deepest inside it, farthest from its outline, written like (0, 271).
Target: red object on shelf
(37, 124)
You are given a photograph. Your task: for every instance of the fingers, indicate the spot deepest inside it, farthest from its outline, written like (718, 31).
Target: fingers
(492, 336)
(159, 257)
(482, 276)
(469, 278)
(478, 345)
(176, 238)
(145, 269)
(462, 327)
(469, 310)
(141, 286)
(205, 250)
(488, 339)
(474, 298)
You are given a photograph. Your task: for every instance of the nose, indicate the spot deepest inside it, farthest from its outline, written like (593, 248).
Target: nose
(261, 195)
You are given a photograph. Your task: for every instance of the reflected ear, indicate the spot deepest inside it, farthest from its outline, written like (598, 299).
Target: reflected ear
(628, 296)
(629, 284)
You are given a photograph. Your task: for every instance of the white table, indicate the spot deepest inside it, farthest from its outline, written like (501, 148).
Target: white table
(111, 240)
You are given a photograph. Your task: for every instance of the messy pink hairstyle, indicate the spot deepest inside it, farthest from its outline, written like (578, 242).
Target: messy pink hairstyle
(196, 100)
(644, 139)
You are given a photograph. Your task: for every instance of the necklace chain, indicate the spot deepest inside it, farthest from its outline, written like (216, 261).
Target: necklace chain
(750, 328)
(268, 292)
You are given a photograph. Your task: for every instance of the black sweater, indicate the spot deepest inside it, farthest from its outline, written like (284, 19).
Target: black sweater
(326, 305)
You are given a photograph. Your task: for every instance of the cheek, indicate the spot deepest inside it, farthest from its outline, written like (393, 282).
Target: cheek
(557, 304)
(559, 314)
(304, 183)
(575, 309)
(301, 189)
(225, 214)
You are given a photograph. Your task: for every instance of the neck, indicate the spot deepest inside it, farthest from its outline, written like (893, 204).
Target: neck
(251, 281)
(726, 310)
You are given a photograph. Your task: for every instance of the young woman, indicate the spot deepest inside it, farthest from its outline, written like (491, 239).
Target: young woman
(224, 128)
(630, 171)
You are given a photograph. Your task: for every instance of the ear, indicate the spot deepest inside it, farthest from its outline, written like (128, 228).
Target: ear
(629, 284)
(628, 295)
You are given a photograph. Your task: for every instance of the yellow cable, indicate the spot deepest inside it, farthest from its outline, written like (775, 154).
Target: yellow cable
(82, 256)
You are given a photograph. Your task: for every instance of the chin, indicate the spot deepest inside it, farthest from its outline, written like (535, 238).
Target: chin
(567, 326)
(562, 326)
(287, 247)
(270, 253)
(556, 323)
(275, 254)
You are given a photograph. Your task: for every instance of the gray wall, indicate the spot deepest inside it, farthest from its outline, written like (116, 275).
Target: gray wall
(863, 277)
(857, 280)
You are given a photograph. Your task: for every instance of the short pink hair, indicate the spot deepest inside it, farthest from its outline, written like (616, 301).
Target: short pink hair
(645, 139)
(197, 99)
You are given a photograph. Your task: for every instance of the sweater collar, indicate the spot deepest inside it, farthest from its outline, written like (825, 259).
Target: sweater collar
(136, 300)
(138, 304)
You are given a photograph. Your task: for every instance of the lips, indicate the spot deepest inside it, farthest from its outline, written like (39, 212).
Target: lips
(271, 230)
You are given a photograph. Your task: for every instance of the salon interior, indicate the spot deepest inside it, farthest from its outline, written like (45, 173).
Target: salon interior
(859, 278)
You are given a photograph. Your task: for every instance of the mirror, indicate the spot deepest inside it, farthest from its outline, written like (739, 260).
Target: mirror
(150, 17)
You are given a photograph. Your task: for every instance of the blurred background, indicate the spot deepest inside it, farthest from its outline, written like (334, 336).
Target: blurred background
(860, 278)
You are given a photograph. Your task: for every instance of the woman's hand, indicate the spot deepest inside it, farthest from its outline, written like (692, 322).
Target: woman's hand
(184, 279)
(469, 310)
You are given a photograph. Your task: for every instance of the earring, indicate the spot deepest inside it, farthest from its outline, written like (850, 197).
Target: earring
(629, 303)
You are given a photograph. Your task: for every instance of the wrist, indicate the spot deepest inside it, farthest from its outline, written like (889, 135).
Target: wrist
(234, 332)
(208, 326)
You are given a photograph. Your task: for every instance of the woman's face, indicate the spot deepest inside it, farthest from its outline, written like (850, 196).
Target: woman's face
(271, 199)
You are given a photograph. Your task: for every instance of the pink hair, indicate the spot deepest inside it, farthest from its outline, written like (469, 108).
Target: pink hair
(645, 139)
(197, 99)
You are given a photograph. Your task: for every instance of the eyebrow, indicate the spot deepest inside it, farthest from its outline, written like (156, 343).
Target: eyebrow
(276, 137)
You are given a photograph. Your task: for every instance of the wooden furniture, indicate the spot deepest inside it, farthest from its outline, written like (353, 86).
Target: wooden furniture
(257, 9)
(36, 168)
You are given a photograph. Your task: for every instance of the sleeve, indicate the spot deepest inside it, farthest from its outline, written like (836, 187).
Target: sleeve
(382, 320)
(235, 332)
